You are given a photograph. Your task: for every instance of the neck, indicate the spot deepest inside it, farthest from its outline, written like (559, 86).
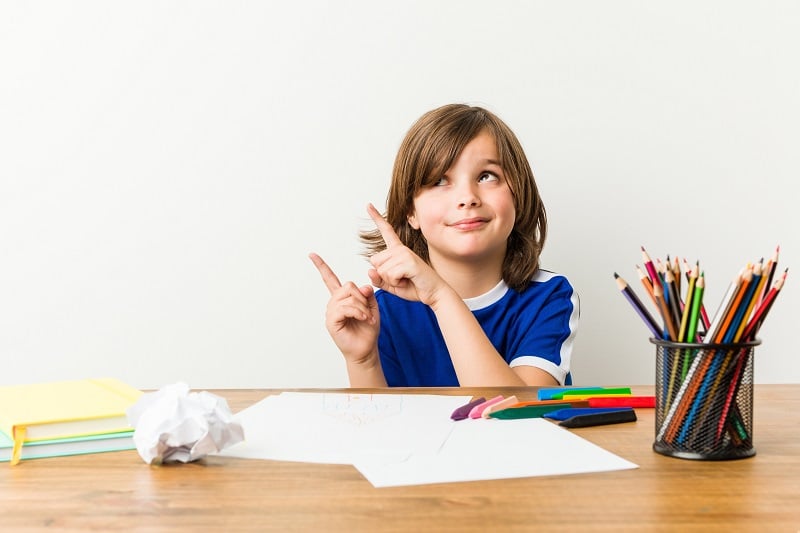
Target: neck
(469, 279)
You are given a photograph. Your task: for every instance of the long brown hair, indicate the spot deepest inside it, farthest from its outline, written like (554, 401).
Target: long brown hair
(430, 147)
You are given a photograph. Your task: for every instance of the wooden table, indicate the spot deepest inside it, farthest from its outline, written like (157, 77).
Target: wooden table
(118, 491)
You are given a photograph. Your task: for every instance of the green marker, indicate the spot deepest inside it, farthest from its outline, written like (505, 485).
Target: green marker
(601, 392)
(528, 411)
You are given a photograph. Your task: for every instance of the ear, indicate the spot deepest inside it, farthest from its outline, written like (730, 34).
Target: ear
(412, 221)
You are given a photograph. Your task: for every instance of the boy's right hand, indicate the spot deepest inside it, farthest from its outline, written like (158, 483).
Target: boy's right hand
(352, 317)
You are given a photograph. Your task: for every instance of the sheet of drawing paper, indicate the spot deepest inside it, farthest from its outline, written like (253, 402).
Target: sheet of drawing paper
(344, 427)
(496, 449)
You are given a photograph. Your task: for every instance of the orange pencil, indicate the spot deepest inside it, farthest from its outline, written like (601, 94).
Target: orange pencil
(757, 271)
(723, 308)
(648, 285)
(747, 277)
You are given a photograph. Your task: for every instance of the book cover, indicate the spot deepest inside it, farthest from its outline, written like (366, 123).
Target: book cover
(107, 442)
(57, 410)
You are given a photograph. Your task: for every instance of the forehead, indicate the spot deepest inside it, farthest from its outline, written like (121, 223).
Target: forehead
(482, 147)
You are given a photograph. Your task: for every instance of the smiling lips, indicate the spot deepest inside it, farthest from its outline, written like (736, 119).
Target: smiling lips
(467, 224)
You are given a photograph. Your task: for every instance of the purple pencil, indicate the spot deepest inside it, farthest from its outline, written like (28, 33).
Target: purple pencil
(639, 307)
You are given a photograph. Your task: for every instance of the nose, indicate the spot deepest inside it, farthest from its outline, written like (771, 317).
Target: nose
(468, 197)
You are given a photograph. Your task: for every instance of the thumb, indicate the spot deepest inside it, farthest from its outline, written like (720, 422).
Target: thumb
(372, 302)
(367, 291)
(376, 278)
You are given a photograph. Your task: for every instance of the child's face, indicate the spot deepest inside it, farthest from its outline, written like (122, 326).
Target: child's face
(469, 213)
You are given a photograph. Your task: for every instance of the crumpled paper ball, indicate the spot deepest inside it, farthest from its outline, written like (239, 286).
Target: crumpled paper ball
(175, 425)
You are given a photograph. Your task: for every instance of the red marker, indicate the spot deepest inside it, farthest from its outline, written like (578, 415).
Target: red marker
(623, 401)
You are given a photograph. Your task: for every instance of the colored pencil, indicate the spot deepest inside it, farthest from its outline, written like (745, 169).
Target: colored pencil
(697, 386)
(724, 305)
(666, 315)
(749, 334)
(754, 299)
(648, 285)
(761, 312)
(703, 313)
(651, 269)
(634, 300)
(672, 297)
(772, 265)
(676, 273)
(687, 309)
(691, 335)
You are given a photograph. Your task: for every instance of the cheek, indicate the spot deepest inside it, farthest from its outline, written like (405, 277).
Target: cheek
(424, 215)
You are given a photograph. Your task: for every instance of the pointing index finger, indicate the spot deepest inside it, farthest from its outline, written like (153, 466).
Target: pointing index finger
(386, 229)
(328, 276)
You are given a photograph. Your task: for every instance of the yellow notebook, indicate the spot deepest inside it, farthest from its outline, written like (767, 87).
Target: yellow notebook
(62, 409)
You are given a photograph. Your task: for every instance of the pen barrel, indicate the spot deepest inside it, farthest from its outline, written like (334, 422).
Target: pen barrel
(704, 400)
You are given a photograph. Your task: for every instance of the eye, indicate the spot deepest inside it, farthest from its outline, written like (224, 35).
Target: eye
(440, 182)
(488, 176)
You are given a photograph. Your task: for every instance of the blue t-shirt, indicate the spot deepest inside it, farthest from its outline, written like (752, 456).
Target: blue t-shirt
(535, 327)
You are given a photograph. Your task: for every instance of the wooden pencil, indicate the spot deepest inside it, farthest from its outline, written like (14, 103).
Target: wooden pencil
(650, 267)
(772, 265)
(648, 284)
(687, 309)
(634, 300)
(672, 297)
(666, 315)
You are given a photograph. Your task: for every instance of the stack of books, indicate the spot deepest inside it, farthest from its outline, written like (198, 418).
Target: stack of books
(65, 418)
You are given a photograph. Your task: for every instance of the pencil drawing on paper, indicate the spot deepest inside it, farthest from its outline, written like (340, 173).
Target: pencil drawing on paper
(362, 409)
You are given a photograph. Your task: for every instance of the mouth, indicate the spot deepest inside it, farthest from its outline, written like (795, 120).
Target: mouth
(469, 223)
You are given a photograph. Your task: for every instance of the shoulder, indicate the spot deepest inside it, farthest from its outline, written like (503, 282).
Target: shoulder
(547, 276)
(547, 287)
(546, 281)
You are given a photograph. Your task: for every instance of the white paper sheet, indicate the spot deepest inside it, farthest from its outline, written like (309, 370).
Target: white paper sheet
(343, 427)
(395, 439)
(496, 449)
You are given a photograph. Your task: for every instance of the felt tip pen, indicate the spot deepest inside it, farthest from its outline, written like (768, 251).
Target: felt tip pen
(616, 417)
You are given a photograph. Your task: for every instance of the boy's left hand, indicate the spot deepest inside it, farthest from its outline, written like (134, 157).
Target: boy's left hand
(400, 271)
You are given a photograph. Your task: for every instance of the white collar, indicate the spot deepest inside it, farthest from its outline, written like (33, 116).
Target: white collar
(488, 298)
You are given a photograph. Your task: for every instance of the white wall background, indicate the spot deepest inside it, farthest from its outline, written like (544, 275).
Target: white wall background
(165, 167)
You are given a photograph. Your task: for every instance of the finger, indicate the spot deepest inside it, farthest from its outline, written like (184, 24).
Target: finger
(328, 277)
(367, 291)
(386, 229)
(351, 302)
(344, 313)
(376, 278)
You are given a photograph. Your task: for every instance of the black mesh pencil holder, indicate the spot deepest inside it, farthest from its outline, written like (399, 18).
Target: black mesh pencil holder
(704, 400)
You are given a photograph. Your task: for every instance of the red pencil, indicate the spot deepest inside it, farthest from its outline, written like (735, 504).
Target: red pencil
(651, 269)
(763, 308)
(772, 264)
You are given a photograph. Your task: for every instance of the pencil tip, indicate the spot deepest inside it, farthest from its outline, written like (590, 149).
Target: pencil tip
(616, 275)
